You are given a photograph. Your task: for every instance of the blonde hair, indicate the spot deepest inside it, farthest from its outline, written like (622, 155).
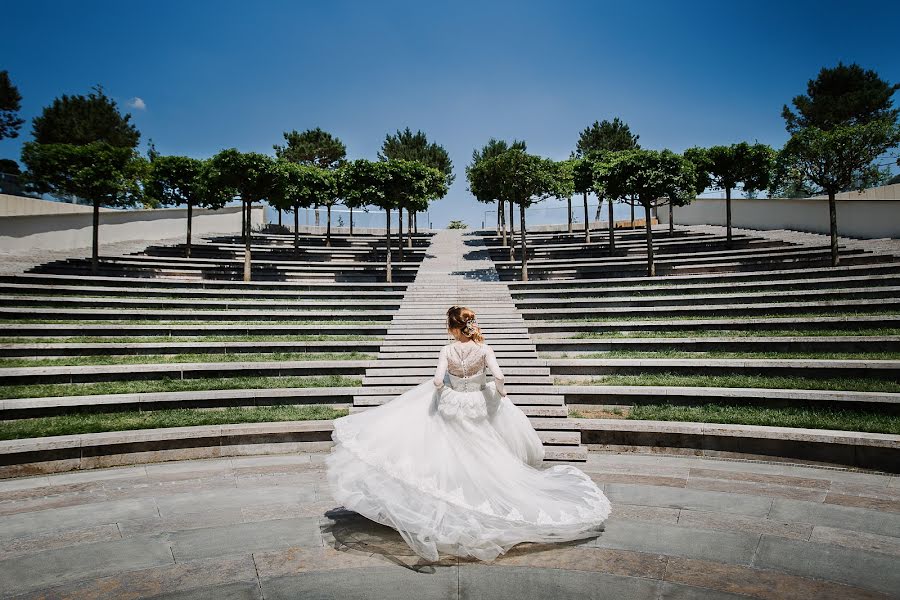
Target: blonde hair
(463, 320)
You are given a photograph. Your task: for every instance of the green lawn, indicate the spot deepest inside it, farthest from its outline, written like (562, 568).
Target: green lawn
(174, 385)
(748, 355)
(877, 332)
(182, 417)
(187, 338)
(743, 381)
(666, 317)
(144, 359)
(223, 321)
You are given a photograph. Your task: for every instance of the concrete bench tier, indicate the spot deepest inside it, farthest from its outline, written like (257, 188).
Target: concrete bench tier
(20, 408)
(786, 307)
(348, 303)
(179, 329)
(883, 370)
(192, 315)
(564, 329)
(85, 374)
(767, 397)
(163, 348)
(709, 247)
(724, 344)
(129, 283)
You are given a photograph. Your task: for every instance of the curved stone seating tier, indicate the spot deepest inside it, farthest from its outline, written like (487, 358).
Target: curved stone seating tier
(561, 329)
(884, 370)
(135, 302)
(24, 312)
(266, 526)
(187, 329)
(163, 348)
(848, 343)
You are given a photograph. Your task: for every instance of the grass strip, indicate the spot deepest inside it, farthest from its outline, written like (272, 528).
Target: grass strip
(223, 321)
(179, 417)
(812, 418)
(748, 355)
(876, 332)
(42, 390)
(662, 316)
(741, 381)
(155, 359)
(75, 339)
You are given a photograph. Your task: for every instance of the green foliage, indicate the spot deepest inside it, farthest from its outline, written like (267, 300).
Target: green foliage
(10, 104)
(231, 173)
(484, 177)
(606, 136)
(724, 167)
(584, 178)
(389, 184)
(312, 147)
(105, 174)
(299, 185)
(524, 178)
(563, 179)
(409, 146)
(174, 180)
(842, 95)
(9, 166)
(839, 158)
(457, 225)
(653, 177)
(82, 120)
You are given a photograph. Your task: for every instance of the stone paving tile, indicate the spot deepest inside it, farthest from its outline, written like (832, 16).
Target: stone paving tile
(75, 517)
(727, 546)
(477, 582)
(242, 538)
(155, 524)
(129, 472)
(880, 504)
(863, 489)
(50, 541)
(686, 498)
(785, 480)
(230, 498)
(725, 522)
(638, 479)
(583, 558)
(439, 583)
(55, 567)
(758, 583)
(756, 488)
(872, 542)
(852, 566)
(674, 591)
(23, 483)
(195, 578)
(68, 498)
(833, 515)
(636, 512)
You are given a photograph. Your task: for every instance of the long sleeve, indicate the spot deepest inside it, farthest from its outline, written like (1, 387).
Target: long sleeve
(441, 369)
(491, 362)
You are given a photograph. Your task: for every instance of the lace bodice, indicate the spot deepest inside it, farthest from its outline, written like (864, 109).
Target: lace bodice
(465, 360)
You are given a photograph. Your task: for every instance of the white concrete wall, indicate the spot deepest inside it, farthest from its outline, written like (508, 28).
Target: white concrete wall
(22, 205)
(866, 219)
(73, 230)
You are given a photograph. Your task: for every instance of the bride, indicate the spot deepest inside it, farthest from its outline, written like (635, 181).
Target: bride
(451, 464)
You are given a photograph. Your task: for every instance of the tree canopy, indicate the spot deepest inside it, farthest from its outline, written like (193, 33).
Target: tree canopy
(606, 135)
(312, 147)
(406, 145)
(82, 120)
(173, 180)
(231, 173)
(10, 104)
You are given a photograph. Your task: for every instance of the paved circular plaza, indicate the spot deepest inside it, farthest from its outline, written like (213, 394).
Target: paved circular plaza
(267, 527)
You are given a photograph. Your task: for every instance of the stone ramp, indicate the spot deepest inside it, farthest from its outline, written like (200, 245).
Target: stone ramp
(454, 273)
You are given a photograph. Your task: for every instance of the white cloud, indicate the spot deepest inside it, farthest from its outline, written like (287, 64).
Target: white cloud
(137, 103)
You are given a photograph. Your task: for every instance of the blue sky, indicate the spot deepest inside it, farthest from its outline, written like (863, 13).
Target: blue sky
(220, 74)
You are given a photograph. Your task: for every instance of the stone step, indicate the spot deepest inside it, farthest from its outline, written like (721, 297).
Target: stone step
(559, 438)
(725, 344)
(168, 348)
(847, 322)
(182, 292)
(346, 304)
(187, 315)
(185, 329)
(565, 454)
(391, 380)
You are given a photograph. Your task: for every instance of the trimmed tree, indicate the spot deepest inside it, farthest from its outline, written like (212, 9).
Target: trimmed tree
(82, 120)
(313, 147)
(174, 180)
(604, 136)
(725, 167)
(653, 178)
(107, 175)
(365, 182)
(482, 182)
(583, 183)
(250, 175)
(844, 122)
(297, 186)
(565, 185)
(10, 104)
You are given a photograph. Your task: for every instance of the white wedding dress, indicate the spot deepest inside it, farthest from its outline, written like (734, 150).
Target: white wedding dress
(450, 464)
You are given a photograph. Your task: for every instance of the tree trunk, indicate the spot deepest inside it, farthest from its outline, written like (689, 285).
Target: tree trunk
(728, 216)
(409, 227)
(243, 221)
(651, 267)
(297, 227)
(387, 215)
(569, 212)
(351, 221)
(247, 259)
(328, 227)
(279, 218)
(612, 228)
(95, 241)
(190, 217)
(632, 212)
(400, 234)
(832, 218)
(587, 222)
(671, 218)
(524, 247)
(501, 214)
(512, 228)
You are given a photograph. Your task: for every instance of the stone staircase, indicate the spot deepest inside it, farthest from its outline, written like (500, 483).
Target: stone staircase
(454, 273)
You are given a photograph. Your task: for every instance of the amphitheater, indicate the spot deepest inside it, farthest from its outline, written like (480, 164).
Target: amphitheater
(602, 359)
